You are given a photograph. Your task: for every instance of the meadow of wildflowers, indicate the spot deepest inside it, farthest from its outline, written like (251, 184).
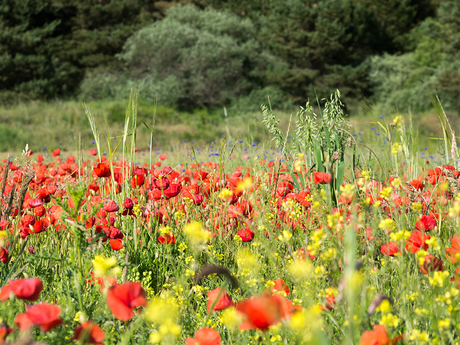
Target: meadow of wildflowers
(317, 237)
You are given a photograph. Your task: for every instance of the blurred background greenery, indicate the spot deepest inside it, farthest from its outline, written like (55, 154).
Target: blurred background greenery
(201, 60)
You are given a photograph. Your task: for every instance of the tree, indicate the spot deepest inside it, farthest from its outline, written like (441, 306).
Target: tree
(205, 58)
(326, 42)
(47, 46)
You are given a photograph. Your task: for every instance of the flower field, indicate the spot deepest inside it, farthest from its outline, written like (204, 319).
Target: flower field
(314, 238)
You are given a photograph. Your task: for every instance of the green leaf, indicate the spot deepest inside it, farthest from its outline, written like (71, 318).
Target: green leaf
(318, 158)
(340, 176)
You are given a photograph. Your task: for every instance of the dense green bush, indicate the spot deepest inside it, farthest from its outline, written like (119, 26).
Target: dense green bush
(191, 58)
(47, 46)
(326, 43)
(407, 80)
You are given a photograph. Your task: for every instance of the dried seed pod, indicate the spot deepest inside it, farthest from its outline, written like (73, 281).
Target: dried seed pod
(214, 269)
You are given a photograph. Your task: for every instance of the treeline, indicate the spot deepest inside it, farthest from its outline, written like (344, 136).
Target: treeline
(48, 46)
(212, 52)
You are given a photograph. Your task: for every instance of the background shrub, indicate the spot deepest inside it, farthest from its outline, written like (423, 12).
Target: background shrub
(192, 58)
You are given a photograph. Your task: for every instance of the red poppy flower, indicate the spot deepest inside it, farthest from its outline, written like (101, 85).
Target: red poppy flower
(434, 175)
(90, 222)
(205, 336)
(137, 181)
(451, 252)
(263, 311)
(93, 151)
(416, 241)
(431, 264)
(173, 190)
(43, 315)
(89, 333)
(35, 203)
(378, 336)
(330, 299)
(162, 157)
(128, 204)
(417, 184)
(122, 299)
(200, 175)
(26, 289)
(161, 183)
(3, 255)
(56, 152)
(391, 248)
(224, 302)
(26, 221)
(302, 197)
(4, 331)
(167, 238)
(102, 170)
(39, 211)
(40, 226)
(426, 223)
(322, 178)
(5, 225)
(246, 234)
(116, 244)
(301, 254)
(345, 199)
(111, 206)
(280, 285)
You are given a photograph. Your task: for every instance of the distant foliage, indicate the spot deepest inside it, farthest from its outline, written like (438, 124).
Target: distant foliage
(194, 58)
(326, 43)
(47, 46)
(433, 67)
(234, 52)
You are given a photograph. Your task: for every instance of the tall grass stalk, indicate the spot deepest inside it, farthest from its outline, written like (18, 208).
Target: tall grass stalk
(92, 123)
